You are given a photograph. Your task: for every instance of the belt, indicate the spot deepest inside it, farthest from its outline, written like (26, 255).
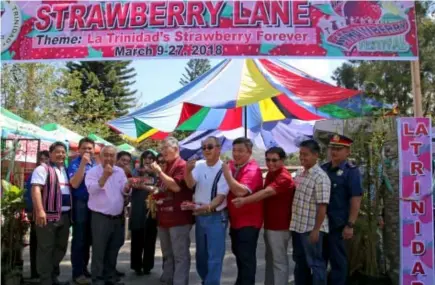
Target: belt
(117, 217)
(214, 212)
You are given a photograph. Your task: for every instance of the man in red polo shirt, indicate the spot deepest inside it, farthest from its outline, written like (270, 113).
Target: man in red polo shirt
(278, 197)
(174, 224)
(244, 178)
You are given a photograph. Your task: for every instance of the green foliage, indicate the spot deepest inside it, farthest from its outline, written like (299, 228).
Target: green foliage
(86, 111)
(293, 160)
(390, 81)
(98, 92)
(28, 90)
(113, 79)
(369, 137)
(14, 227)
(194, 69)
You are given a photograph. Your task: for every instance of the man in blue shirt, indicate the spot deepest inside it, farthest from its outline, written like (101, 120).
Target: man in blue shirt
(82, 239)
(344, 205)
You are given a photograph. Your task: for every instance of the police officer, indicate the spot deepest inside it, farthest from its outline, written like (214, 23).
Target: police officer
(346, 193)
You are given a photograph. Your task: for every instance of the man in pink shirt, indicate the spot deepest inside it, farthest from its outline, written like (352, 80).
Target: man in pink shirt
(107, 185)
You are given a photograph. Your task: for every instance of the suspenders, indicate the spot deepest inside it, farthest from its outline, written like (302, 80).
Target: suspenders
(215, 184)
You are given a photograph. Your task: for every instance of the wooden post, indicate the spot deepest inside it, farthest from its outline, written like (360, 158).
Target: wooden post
(416, 88)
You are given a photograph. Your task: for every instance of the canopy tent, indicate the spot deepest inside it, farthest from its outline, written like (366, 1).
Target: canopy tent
(245, 93)
(63, 133)
(286, 134)
(99, 140)
(128, 148)
(13, 124)
(30, 138)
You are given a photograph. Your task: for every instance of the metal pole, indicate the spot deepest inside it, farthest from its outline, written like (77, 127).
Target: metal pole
(245, 119)
(416, 88)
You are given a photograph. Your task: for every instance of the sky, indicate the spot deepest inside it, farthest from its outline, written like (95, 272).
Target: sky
(157, 78)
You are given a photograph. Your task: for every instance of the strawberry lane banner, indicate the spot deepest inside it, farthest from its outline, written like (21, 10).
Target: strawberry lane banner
(98, 30)
(417, 221)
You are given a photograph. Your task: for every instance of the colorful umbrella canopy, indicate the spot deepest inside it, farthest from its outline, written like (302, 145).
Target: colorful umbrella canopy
(286, 134)
(245, 93)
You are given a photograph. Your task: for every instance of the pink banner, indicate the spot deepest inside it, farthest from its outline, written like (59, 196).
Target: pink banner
(27, 150)
(98, 30)
(417, 224)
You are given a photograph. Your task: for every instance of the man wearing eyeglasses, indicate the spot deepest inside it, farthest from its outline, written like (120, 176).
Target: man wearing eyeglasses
(209, 207)
(278, 195)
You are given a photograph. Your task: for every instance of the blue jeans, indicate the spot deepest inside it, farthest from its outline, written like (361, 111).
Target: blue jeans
(210, 232)
(81, 237)
(310, 266)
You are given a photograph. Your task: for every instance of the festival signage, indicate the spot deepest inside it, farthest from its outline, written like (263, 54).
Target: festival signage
(26, 150)
(98, 30)
(417, 228)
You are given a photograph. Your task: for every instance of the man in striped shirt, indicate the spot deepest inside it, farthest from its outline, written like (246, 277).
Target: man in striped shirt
(309, 222)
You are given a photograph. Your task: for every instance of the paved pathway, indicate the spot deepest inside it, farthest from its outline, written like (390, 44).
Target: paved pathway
(228, 275)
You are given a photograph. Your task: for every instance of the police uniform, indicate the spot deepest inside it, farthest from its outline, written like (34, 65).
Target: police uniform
(345, 184)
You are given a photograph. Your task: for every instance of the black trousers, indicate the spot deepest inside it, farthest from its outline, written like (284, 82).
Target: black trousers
(244, 247)
(143, 246)
(107, 239)
(33, 247)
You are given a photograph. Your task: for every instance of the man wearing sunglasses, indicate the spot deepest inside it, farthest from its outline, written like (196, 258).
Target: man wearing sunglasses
(278, 195)
(346, 193)
(209, 207)
(244, 178)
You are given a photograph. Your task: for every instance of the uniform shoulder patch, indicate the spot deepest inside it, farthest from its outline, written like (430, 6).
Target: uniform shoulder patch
(351, 165)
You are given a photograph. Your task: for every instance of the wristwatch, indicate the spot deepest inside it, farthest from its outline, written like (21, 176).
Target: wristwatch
(350, 225)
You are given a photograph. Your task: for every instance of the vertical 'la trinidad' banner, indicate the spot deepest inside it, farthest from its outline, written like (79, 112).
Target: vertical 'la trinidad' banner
(417, 228)
(93, 30)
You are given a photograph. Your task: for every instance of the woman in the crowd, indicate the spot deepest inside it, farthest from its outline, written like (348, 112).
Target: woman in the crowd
(143, 225)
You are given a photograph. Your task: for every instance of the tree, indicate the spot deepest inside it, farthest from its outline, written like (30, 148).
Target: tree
(104, 93)
(28, 90)
(113, 79)
(390, 81)
(195, 68)
(87, 110)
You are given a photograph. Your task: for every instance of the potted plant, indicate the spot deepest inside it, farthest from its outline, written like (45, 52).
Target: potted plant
(14, 226)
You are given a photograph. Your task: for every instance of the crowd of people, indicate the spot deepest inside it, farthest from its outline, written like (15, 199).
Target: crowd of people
(316, 211)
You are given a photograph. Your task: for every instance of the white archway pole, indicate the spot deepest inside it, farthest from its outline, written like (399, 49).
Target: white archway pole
(416, 88)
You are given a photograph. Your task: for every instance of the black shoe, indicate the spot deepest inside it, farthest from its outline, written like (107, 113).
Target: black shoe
(139, 273)
(87, 274)
(147, 272)
(120, 274)
(57, 282)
